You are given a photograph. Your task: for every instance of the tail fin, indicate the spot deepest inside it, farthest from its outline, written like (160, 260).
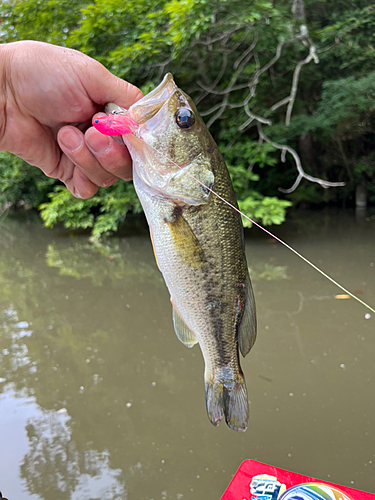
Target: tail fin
(228, 398)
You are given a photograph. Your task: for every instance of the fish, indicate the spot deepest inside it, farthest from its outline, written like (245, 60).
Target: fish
(198, 240)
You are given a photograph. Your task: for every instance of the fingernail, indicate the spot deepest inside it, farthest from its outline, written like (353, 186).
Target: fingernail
(71, 139)
(100, 145)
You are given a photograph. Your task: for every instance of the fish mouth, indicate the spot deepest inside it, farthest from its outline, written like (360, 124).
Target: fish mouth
(147, 107)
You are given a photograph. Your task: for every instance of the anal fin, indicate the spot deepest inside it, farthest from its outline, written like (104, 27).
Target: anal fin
(153, 247)
(184, 334)
(248, 327)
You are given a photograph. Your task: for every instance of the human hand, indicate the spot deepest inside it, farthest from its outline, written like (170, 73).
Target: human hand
(48, 95)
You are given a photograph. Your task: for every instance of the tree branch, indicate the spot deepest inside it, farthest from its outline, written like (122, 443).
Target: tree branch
(312, 56)
(235, 84)
(301, 173)
(252, 117)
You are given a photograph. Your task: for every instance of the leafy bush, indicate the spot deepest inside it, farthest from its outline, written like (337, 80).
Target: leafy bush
(102, 213)
(20, 184)
(201, 42)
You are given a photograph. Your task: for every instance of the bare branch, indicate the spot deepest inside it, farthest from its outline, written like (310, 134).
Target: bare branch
(224, 35)
(253, 117)
(312, 56)
(298, 11)
(217, 80)
(329, 47)
(246, 53)
(230, 88)
(162, 65)
(219, 113)
(236, 84)
(301, 173)
(211, 110)
(255, 80)
(226, 91)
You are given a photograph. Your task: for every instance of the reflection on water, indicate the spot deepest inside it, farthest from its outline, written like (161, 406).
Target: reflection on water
(98, 398)
(94, 261)
(54, 468)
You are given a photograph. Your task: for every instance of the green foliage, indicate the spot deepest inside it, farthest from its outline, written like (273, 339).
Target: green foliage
(103, 212)
(269, 210)
(46, 21)
(353, 30)
(240, 159)
(345, 100)
(20, 184)
(64, 207)
(198, 41)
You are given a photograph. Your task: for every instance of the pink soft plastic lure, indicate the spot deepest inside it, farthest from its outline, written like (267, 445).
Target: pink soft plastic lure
(115, 124)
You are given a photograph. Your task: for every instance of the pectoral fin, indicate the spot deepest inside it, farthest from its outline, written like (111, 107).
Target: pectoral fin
(186, 244)
(248, 326)
(184, 334)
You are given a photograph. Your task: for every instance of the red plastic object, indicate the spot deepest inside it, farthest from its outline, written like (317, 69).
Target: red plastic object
(258, 481)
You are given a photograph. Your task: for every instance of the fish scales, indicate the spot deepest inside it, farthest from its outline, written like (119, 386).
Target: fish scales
(198, 242)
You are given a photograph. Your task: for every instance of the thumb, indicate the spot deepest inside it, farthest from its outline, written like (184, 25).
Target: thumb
(102, 87)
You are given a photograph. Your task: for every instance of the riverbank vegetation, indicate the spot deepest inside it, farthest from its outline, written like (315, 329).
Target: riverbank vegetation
(286, 88)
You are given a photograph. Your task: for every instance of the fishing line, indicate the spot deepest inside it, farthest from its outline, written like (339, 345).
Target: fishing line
(266, 231)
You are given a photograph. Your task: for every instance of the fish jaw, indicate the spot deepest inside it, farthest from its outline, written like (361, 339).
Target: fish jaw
(172, 161)
(147, 107)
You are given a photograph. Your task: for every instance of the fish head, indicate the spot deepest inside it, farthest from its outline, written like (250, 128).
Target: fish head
(171, 148)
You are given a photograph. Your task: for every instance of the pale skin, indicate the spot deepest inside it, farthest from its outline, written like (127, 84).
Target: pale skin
(48, 96)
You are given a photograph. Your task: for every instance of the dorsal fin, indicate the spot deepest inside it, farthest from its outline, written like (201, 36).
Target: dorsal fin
(184, 334)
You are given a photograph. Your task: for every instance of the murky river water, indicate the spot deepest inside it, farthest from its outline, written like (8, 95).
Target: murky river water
(99, 400)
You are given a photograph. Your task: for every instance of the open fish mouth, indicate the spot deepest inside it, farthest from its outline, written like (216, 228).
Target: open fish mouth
(147, 107)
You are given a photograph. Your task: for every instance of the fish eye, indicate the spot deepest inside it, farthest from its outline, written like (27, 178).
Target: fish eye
(184, 118)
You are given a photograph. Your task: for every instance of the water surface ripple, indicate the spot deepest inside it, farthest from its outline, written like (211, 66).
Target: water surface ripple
(98, 398)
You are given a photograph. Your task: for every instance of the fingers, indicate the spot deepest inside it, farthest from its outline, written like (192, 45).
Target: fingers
(74, 179)
(98, 161)
(113, 157)
(72, 89)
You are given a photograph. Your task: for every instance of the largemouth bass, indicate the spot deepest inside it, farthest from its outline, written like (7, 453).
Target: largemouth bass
(198, 241)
